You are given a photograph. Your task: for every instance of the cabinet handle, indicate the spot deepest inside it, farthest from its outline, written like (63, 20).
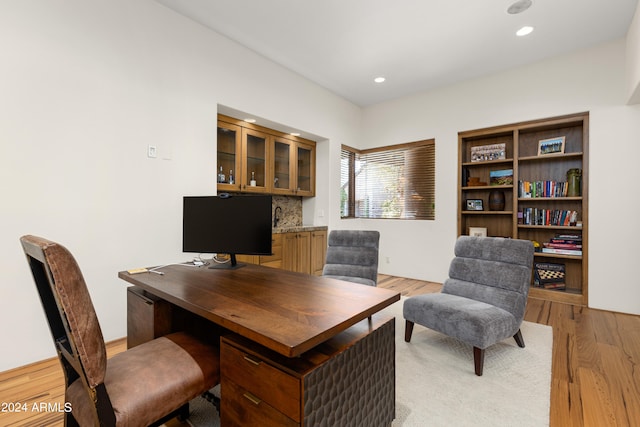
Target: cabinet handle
(252, 361)
(251, 398)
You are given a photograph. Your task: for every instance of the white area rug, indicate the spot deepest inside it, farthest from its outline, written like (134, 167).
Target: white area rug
(436, 384)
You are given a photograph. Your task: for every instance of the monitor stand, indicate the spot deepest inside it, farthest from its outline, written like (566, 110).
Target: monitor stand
(232, 265)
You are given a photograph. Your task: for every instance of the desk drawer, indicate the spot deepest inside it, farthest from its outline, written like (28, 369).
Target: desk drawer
(264, 381)
(240, 407)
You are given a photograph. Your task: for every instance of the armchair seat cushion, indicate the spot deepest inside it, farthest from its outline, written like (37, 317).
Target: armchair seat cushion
(473, 322)
(151, 380)
(360, 280)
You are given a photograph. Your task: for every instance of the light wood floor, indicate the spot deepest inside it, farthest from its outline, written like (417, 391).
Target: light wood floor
(595, 377)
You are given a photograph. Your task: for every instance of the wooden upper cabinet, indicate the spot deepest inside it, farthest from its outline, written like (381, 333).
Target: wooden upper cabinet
(229, 156)
(306, 169)
(256, 173)
(294, 167)
(283, 166)
(277, 163)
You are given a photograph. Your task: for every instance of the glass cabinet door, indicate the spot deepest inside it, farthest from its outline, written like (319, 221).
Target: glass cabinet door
(255, 171)
(306, 161)
(228, 156)
(283, 173)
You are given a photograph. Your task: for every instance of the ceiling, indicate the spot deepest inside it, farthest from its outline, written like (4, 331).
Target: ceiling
(416, 45)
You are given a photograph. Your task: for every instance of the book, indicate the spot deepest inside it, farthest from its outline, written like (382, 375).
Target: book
(562, 245)
(577, 252)
(556, 286)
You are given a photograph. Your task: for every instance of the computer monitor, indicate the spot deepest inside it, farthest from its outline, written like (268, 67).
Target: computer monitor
(227, 224)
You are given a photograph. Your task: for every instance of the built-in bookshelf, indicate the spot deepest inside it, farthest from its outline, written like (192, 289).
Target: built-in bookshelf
(529, 180)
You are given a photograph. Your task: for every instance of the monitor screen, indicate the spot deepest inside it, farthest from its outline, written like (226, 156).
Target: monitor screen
(227, 224)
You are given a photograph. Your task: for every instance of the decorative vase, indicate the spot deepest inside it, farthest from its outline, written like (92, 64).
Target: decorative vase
(574, 182)
(496, 200)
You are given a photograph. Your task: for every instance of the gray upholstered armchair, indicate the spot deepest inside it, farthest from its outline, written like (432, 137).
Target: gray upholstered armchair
(352, 255)
(483, 301)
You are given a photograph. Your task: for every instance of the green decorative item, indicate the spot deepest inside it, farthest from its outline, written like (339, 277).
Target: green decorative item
(574, 182)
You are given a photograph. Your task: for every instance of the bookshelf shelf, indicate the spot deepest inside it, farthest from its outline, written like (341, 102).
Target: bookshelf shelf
(488, 187)
(487, 213)
(489, 162)
(519, 144)
(552, 227)
(563, 256)
(544, 199)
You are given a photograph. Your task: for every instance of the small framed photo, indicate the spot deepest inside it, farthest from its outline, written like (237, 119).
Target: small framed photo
(474, 205)
(551, 146)
(478, 231)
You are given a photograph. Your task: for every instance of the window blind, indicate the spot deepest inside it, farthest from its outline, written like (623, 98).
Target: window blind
(390, 182)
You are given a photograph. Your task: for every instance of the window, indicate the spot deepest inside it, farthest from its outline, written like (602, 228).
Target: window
(396, 181)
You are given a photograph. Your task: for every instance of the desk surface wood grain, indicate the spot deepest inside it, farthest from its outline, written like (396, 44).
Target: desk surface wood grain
(287, 312)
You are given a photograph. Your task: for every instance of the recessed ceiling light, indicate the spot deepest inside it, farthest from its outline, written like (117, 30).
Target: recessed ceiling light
(379, 79)
(519, 7)
(524, 31)
(250, 120)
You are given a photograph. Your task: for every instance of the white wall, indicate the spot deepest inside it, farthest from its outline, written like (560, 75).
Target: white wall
(85, 86)
(591, 80)
(633, 59)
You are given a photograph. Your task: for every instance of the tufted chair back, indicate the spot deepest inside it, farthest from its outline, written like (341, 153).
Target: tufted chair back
(492, 270)
(352, 255)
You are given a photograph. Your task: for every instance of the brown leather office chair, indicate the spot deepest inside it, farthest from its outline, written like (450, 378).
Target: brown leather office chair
(146, 385)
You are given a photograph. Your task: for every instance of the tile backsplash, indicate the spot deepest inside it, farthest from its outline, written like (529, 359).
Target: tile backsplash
(291, 215)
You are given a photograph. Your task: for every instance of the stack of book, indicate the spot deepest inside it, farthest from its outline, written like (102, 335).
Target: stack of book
(564, 244)
(557, 217)
(549, 275)
(535, 189)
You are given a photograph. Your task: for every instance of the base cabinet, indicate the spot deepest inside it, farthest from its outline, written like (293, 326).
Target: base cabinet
(297, 252)
(302, 252)
(318, 251)
(347, 381)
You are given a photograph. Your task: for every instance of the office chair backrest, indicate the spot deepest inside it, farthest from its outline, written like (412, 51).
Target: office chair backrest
(70, 313)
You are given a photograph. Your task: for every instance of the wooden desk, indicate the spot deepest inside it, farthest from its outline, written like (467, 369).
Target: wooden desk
(296, 350)
(287, 312)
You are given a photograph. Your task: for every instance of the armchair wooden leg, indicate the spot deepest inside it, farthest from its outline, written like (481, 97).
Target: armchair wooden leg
(478, 359)
(408, 330)
(519, 339)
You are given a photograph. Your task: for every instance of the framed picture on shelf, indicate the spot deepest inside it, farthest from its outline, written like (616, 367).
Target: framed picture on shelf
(478, 231)
(501, 177)
(484, 153)
(474, 205)
(551, 146)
